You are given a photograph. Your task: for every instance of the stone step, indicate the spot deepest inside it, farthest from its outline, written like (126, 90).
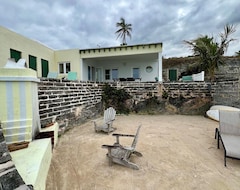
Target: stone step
(33, 162)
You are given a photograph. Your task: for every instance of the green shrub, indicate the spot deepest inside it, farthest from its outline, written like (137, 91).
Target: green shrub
(115, 98)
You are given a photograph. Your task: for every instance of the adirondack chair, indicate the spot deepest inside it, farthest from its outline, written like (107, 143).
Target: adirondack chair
(120, 154)
(108, 118)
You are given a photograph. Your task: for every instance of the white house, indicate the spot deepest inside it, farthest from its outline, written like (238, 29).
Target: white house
(142, 61)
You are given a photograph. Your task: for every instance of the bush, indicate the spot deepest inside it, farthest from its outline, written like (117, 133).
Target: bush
(115, 98)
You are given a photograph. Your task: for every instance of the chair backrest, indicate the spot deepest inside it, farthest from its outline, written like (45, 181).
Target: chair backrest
(229, 122)
(72, 76)
(134, 143)
(109, 114)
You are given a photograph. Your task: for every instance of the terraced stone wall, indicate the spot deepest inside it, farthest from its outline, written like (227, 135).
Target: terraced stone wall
(77, 101)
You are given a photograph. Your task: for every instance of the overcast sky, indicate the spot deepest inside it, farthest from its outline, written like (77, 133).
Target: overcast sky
(83, 24)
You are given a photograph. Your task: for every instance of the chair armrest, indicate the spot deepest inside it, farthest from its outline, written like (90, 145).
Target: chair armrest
(109, 122)
(122, 135)
(109, 146)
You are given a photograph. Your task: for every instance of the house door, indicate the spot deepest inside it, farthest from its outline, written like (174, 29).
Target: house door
(114, 74)
(136, 73)
(172, 74)
(98, 74)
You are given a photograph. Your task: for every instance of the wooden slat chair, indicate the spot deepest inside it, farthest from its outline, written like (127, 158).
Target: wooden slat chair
(120, 154)
(229, 133)
(108, 118)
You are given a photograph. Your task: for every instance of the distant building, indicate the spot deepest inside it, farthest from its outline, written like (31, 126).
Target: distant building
(131, 62)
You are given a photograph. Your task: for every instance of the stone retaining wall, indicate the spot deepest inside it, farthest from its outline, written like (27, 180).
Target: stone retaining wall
(77, 101)
(226, 93)
(68, 100)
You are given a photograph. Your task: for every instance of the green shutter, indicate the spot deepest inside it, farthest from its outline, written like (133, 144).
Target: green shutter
(44, 64)
(15, 54)
(32, 62)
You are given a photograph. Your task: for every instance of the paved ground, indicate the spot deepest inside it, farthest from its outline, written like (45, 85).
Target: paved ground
(179, 152)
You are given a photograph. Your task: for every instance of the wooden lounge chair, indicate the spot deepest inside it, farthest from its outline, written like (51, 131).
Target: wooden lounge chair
(229, 133)
(120, 154)
(108, 118)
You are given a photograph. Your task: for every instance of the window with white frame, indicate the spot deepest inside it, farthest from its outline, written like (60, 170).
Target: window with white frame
(111, 74)
(107, 74)
(64, 67)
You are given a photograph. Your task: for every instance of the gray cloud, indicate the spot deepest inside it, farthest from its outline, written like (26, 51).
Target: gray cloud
(79, 24)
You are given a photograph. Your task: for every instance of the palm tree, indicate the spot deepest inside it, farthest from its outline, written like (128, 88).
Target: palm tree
(237, 53)
(211, 52)
(124, 30)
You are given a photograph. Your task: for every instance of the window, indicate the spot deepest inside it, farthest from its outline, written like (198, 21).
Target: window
(89, 73)
(32, 62)
(15, 54)
(107, 74)
(64, 67)
(111, 74)
(93, 73)
(136, 73)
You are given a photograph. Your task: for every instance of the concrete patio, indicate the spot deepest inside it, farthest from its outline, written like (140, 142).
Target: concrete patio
(179, 152)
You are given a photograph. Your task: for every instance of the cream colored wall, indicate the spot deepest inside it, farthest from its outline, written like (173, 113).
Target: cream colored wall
(11, 40)
(71, 56)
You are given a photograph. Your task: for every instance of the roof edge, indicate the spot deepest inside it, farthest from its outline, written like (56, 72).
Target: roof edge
(121, 46)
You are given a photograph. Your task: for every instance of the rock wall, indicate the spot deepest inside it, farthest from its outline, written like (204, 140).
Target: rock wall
(229, 71)
(171, 98)
(226, 93)
(71, 102)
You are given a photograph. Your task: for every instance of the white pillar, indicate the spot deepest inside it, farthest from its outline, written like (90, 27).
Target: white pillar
(160, 66)
(81, 70)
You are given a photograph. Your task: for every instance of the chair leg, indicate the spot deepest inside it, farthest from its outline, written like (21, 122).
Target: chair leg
(225, 161)
(218, 137)
(216, 133)
(109, 157)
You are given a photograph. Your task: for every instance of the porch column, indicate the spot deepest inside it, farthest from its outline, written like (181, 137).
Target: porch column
(159, 66)
(81, 69)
